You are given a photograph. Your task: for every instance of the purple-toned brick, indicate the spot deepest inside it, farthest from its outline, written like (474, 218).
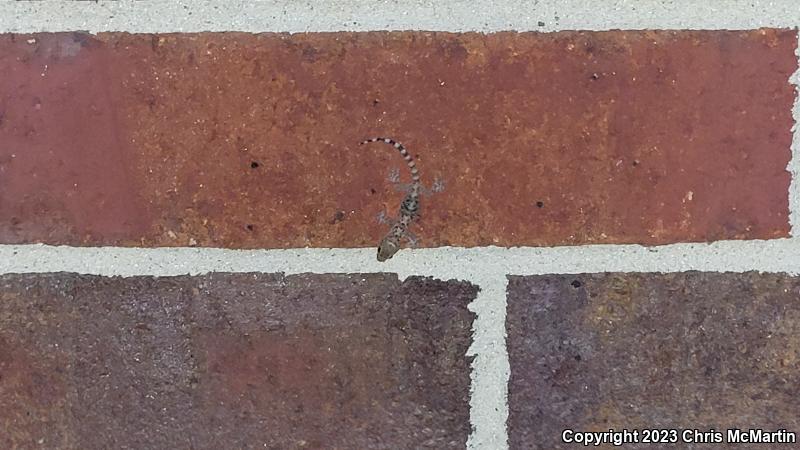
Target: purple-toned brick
(234, 361)
(594, 352)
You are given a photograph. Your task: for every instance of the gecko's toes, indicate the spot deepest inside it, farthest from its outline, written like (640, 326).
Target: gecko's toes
(438, 185)
(381, 218)
(394, 175)
(413, 240)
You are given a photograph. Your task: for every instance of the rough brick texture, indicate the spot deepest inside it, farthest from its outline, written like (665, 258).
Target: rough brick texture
(241, 140)
(233, 361)
(690, 350)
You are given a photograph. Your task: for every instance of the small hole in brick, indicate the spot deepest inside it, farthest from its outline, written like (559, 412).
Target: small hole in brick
(595, 76)
(540, 204)
(375, 102)
(635, 162)
(254, 165)
(250, 227)
(372, 191)
(576, 284)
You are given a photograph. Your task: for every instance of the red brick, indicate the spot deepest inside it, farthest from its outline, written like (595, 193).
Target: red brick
(563, 138)
(693, 350)
(234, 361)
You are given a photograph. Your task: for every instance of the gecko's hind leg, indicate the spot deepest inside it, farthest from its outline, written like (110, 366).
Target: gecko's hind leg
(394, 176)
(438, 186)
(394, 179)
(405, 188)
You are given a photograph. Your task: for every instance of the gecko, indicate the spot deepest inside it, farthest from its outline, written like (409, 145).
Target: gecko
(409, 207)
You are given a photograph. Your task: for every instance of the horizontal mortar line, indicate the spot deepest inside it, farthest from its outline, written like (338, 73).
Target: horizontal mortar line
(476, 263)
(378, 15)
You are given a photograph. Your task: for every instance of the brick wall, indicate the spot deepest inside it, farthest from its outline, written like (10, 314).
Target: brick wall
(188, 232)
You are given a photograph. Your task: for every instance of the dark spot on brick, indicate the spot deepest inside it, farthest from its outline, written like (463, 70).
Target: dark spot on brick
(635, 162)
(375, 102)
(254, 165)
(577, 357)
(576, 284)
(81, 37)
(372, 191)
(451, 50)
(595, 76)
(310, 54)
(250, 227)
(540, 204)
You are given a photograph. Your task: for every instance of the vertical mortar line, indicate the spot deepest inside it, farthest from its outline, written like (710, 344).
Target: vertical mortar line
(794, 162)
(488, 403)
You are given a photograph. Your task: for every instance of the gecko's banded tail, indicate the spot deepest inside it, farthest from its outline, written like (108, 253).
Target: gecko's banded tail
(403, 152)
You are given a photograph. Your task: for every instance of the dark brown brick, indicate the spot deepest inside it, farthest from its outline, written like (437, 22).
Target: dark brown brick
(234, 361)
(241, 140)
(691, 350)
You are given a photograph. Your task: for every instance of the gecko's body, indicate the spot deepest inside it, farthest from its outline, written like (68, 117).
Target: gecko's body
(409, 208)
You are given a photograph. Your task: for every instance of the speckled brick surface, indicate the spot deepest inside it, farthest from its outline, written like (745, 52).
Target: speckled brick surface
(240, 140)
(690, 350)
(233, 361)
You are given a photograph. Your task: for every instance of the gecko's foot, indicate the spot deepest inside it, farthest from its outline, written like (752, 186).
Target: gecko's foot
(394, 176)
(413, 240)
(383, 219)
(394, 179)
(438, 186)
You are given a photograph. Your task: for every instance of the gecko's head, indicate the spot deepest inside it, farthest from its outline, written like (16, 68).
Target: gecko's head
(387, 249)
